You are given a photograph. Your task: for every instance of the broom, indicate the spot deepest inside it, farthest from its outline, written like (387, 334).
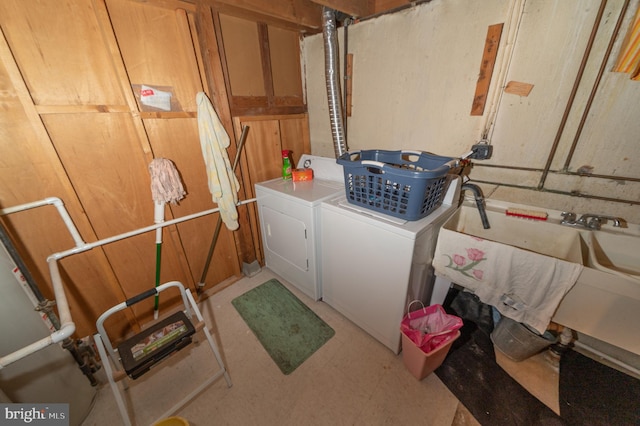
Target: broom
(166, 187)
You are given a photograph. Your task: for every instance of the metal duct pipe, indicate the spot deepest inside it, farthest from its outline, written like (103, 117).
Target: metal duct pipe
(345, 75)
(333, 81)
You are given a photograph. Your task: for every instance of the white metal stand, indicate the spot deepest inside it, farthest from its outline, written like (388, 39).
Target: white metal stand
(112, 360)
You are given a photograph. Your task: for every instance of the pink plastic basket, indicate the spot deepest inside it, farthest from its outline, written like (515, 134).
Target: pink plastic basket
(421, 364)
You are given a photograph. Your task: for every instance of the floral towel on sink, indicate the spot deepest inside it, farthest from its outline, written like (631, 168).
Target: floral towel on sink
(523, 285)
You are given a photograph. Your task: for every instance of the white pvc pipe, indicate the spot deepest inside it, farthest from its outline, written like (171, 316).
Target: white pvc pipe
(62, 211)
(26, 206)
(68, 327)
(516, 12)
(62, 304)
(64, 214)
(89, 246)
(27, 350)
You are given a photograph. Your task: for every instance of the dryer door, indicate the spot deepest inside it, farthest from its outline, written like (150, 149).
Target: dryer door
(285, 236)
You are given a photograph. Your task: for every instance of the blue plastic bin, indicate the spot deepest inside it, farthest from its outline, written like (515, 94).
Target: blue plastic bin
(404, 184)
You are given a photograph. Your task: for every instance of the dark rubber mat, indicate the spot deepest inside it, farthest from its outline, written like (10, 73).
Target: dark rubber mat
(471, 373)
(593, 394)
(590, 393)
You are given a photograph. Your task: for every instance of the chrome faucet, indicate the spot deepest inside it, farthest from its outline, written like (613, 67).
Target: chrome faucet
(593, 221)
(479, 197)
(568, 218)
(589, 221)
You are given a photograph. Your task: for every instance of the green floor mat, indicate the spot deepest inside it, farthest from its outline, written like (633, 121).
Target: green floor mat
(289, 331)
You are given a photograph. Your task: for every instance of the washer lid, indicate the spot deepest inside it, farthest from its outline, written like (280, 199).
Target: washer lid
(308, 192)
(409, 229)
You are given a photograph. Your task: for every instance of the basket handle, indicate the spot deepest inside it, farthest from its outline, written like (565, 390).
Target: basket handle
(452, 164)
(449, 164)
(412, 152)
(377, 164)
(411, 303)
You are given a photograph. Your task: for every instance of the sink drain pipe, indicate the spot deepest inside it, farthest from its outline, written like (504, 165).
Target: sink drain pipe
(332, 80)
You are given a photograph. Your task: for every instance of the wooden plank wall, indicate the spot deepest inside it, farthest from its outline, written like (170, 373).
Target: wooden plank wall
(72, 128)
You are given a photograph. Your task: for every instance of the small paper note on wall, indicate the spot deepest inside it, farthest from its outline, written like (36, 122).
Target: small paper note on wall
(518, 88)
(155, 98)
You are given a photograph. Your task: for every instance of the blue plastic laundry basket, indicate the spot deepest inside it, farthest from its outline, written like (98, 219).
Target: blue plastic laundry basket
(404, 184)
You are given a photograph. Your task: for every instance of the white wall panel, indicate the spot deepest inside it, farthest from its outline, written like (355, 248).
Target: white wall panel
(414, 78)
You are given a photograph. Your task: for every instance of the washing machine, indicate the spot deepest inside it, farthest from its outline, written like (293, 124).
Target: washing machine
(374, 265)
(289, 215)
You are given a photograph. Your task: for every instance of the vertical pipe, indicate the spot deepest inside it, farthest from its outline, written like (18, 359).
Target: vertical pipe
(345, 74)
(594, 90)
(572, 96)
(332, 80)
(516, 12)
(31, 282)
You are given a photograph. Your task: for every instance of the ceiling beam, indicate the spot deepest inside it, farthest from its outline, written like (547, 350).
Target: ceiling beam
(303, 14)
(357, 8)
(382, 6)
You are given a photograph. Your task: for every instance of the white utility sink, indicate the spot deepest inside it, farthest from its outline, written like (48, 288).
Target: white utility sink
(614, 252)
(522, 267)
(604, 303)
(538, 236)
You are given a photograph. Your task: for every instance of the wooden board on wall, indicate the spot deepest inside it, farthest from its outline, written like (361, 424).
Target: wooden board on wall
(294, 131)
(263, 150)
(100, 153)
(261, 160)
(63, 64)
(30, 170)
(167, 34)
(97, 146)
(86, 137)
(494, 33)
(268, 136)
(262, 65)
(157, 49)
(284, 49)
(242, 52)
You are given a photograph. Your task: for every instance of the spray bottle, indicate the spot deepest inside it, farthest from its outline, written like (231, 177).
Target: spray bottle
(286, 165)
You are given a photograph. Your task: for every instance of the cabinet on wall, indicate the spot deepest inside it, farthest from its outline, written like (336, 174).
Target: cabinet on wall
(74, 128)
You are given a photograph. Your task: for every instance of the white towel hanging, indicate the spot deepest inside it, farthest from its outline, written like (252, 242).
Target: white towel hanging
(214, 140)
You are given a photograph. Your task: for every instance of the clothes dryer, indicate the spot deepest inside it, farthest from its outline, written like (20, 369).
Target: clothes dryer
(290, 219)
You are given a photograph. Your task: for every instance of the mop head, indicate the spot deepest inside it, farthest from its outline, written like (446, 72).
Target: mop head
(165, 181)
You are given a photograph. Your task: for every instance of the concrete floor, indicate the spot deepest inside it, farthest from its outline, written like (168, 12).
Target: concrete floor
(352, 380)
